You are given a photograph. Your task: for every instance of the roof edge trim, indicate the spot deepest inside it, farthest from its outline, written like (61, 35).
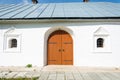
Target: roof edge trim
(42, 18)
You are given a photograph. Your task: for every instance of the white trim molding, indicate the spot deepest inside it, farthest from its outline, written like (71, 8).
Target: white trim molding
(9, 35)
(104, 34)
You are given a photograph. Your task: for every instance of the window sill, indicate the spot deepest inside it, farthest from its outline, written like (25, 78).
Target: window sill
(13, 50)
(102, 51)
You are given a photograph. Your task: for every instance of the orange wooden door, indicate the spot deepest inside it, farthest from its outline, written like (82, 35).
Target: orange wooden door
(67, 49)
(60, 48)
(54, 47)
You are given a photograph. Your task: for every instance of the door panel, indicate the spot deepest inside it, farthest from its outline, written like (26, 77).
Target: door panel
(60, 48)
(54, 46)
(67, 47)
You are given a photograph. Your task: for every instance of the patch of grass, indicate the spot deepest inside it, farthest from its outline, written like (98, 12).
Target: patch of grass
(34, 78)
(29, 65)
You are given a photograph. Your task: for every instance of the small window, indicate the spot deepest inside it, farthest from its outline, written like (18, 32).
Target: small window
(13, 43)
(100, 42)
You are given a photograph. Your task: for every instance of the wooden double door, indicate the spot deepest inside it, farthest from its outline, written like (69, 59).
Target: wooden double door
(60, 48)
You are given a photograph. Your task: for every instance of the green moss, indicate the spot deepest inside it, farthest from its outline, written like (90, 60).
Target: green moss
(29, 65)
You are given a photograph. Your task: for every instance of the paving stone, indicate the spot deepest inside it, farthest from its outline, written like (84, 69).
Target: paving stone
(116, 74)
(32, 74)
(112, 77)
(11, 74)
(85, 76)
(60, 75)
(36, 74)
(52, 76)
(29, 74)
(20, 74)
(77, 76)
(69, 76)
(3, 74)
(44, 75)
(102, 76)
(94, 76)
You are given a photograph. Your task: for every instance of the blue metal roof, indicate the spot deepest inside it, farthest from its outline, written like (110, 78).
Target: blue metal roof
(60, 10)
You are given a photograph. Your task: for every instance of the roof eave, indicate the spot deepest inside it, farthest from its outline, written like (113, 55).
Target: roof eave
(41, 18)
(61, 19)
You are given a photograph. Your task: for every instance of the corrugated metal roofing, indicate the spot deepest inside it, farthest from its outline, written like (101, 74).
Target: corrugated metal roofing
(60, 10)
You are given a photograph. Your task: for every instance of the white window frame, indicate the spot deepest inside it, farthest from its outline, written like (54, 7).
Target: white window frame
(7, 37)
(104, 35)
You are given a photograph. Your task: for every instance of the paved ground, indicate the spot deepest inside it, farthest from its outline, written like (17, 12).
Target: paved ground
(61, 73)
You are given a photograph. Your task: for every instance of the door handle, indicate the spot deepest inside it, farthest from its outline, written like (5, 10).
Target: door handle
(59, 50)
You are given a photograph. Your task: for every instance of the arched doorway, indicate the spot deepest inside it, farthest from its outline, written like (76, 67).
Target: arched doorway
(60, 48)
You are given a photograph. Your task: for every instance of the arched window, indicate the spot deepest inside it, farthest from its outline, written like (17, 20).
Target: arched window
(100, 42)
(13, 43)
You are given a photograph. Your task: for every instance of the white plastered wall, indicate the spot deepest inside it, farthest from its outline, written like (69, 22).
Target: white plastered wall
(34, 50)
